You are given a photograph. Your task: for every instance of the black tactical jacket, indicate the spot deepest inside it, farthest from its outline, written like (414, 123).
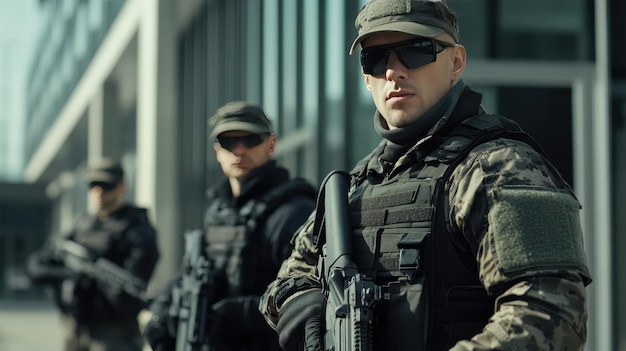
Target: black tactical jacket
(247, 238)
(126, 239)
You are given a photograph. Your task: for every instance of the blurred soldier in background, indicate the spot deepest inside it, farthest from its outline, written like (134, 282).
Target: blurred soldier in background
(250, 219)
(99, 270)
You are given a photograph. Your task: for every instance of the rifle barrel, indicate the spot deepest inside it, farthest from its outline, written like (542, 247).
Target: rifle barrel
(337, 225)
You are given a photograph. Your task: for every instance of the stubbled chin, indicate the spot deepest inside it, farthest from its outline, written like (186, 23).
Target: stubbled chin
(239, 171)
(240, 167)
(397, 118)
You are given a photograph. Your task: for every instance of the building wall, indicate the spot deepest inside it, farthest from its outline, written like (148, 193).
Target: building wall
(25, 214)
(16, 43)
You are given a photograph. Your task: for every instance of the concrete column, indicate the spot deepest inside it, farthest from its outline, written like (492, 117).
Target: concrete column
(104, 126)
(157, 130)
(105, 134)
(601, 307)
(95, 126)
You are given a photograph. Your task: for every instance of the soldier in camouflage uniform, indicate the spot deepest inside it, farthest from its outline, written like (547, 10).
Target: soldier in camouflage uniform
(501, 260)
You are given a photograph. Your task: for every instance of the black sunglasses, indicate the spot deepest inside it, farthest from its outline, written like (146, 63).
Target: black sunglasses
(103, 185)
(249, 141)
(413, 53)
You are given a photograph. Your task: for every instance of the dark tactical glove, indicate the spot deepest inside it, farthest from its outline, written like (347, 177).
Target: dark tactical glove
(157, 334)
(299, 322)
(313, 334)
(235, 317)
(42, 267)
(160, 332)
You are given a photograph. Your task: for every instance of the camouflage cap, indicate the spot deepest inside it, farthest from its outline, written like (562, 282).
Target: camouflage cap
(424, 18)
(105, 170)
(240, 115)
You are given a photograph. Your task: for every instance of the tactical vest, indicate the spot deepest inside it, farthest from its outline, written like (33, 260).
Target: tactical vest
(234, 242)
(81, 297)
(402, 240)
(107, 238)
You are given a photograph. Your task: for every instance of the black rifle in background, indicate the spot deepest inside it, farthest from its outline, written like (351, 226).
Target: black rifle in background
(191, 300)
(80, 260)
(351, 295)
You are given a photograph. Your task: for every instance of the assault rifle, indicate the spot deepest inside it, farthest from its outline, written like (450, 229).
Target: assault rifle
(191, 300)
(81, 261)
(351, 295)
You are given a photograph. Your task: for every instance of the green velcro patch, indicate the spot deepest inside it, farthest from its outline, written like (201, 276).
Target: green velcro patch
(535, 228)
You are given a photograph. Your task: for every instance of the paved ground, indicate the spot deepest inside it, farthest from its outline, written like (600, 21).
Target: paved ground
(29, 325)
(33, 325)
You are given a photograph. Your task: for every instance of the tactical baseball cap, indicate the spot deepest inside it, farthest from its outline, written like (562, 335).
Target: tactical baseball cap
(239, 115)
(424, 18)
(105, 170)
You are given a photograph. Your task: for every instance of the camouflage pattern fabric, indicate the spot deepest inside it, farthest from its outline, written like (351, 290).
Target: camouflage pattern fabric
(540, 307)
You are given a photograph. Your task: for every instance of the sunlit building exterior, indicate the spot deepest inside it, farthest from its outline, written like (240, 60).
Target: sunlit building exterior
(15, 56)
(137, 79)
(24, 208)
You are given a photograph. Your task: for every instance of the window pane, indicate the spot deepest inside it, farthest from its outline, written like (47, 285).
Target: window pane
(530, 29)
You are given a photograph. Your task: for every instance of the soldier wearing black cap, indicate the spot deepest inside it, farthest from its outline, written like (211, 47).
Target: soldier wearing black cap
(250, 219)
(98, 315)
(470, 236)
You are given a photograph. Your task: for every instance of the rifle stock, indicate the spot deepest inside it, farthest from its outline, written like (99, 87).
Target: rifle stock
(351, 296)
(81, 261)
(192, 299)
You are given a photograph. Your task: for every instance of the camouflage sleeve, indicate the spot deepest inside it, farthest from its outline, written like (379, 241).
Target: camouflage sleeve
(297, 274)
(522, 223)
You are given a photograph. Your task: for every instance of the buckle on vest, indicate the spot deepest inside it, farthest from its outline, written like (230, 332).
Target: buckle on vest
(409, 262)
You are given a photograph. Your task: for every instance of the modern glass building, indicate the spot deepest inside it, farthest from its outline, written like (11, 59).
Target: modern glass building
(137, 79)
(15, 55)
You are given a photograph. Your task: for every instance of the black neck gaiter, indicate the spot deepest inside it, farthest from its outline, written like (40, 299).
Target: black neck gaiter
(401, 139)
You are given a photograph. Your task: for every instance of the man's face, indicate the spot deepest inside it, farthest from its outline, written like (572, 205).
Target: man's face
(236, 158)
(106, 197)
(402, 95)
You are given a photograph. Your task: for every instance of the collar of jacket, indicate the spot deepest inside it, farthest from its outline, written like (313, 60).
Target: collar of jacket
(255, 184)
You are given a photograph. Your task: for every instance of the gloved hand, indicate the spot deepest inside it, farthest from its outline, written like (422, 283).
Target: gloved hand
(299, 322)
(235, 317)
(160, 331)
(157, 334)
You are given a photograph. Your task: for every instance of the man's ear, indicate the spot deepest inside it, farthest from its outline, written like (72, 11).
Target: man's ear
(272, 140)
(366, 78)
(458, 62)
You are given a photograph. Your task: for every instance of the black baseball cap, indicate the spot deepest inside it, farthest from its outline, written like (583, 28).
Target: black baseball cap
(105, 170)
(424, 18)
(240, 115)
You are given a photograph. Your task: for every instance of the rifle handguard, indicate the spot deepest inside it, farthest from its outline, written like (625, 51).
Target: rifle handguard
(352, 296)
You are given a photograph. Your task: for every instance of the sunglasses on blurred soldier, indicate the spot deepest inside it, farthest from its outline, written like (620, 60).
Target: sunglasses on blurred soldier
(103, 185)
(251, 140)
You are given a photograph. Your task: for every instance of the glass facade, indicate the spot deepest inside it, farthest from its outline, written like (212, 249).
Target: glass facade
(18, 26)
(527, 30)
(71, 33)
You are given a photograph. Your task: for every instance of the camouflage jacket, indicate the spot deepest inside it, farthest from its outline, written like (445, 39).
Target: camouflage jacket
(540, 300)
